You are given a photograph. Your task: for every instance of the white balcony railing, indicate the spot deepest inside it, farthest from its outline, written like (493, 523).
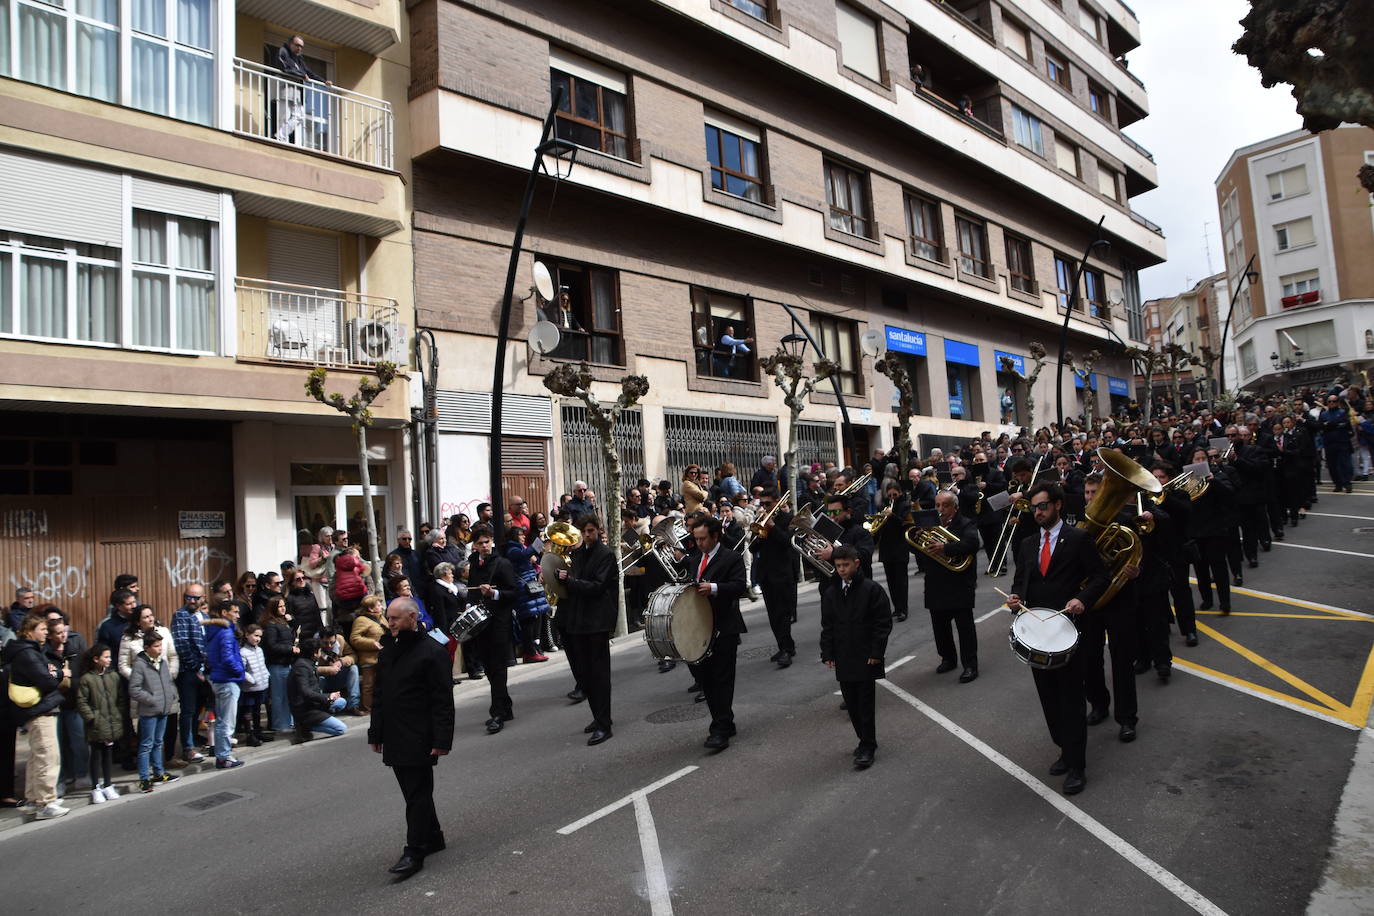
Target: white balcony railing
(283, 322)
(331, 120)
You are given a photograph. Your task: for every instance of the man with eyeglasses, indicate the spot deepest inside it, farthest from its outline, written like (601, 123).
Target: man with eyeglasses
(837, 509)
(188, 636)
(290, 111)
(411, 559)
(1060, 569)
(578, 506)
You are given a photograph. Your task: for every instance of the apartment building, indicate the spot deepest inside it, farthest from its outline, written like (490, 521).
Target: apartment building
(185, 231)
(1293, 203)
(1194, 319)
(927, 171)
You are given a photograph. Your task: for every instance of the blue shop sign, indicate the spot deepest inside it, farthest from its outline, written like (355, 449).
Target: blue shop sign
(956, 408)
(1018, 363)
(1118, 386)
(900, 340)
(965, 354)
(1078, 380)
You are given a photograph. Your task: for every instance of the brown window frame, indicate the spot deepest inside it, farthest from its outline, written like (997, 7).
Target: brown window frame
(604, 132)
(1021, 276)
(1094, 296)
(1063, 294)
(756, 182)
(826, 327)
(969, 261)
(931, 246)
(579, 342)
(858, 220)
(710, 358)
(1103, 108)
(770, 10)
(1053, 62)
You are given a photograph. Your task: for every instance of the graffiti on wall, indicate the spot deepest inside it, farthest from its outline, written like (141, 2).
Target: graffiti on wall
(23, 523)
(57, 579)
(196, 565)
(467, 507)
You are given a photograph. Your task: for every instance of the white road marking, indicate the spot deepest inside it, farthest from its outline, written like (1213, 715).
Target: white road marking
(628, 799)
(1151, 868)
(992, 613)
(1261, 695)
(890, 668)
(1301, 602)
(1360, 518)
(660, 903)
(1348, 553)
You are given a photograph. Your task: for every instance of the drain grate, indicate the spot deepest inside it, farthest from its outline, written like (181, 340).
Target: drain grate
(198, 806)
(684, 713)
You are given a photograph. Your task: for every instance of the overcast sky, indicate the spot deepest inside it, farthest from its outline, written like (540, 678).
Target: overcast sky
(1205, 102)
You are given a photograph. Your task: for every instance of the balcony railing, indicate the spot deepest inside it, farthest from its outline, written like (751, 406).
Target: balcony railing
(1153, 227)
(306, 325)
(1138, 148)
(324, 119)
(1127, 70)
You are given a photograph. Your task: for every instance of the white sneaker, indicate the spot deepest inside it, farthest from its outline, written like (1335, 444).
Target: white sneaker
(233, 742)
(98, 797)
(48, 812)
(110, 793)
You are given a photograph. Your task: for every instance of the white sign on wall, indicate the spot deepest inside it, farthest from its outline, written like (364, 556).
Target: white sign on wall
(200, 524)
(463, 475)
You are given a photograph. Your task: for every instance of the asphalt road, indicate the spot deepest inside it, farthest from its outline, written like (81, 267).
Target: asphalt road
(1225, 803)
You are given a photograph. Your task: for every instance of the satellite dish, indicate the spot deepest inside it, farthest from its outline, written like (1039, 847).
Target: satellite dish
(545, 336)
(1114, 296)
(871, 342)
(543, 283)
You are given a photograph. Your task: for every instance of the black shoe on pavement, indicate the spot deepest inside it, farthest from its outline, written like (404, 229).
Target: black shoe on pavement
(1237, 580)
(494, 725)
(699, 698)
(1059, 767)
(776, 655)
(1205, 606)
(666, 665)
(864, 760)
(900, 617)
(1254, 564)
(695, 688)
(1097, 716)
(1141, 667)
(576, 695)
(1190, 639)
(302, 735)
(945, 665)
(598, 736)
(1074, 782)
(407, 865)
(968, 674)
(785, 661)
(1265, 546)
(717, 743)
(1164, 672)
(1127, 734)
(1225, 611)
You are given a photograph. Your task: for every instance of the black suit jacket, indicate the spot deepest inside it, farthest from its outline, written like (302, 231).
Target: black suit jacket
(412, 701)
(726, 570)
(591, 603)
(774, 559)
(892, 547)
(1076, 571)
(854, 628)
(944, 588)
(498, 573)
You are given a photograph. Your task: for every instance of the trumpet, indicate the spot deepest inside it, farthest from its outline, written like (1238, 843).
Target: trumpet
(859, 482)
(760, 527)
(923, 539)
(1146, 525)
(874, 523)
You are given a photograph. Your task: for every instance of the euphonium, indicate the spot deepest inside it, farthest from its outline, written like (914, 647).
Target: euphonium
(562, 539)
(923, 539)
(1119, 546)
(874, 523)
(808, 542)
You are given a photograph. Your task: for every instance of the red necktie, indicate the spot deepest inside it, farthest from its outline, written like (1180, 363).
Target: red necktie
(1045, 555)
(701, 570)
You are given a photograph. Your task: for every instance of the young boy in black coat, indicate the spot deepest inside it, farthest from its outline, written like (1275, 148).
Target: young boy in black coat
(856, 619)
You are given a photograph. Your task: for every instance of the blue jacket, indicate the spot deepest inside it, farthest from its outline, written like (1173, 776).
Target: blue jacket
(224, 664)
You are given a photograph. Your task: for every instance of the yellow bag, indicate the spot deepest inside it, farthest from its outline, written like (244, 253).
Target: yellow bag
(24, 697)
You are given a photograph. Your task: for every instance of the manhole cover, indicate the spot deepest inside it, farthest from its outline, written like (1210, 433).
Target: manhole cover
(757, 652)
(198, 806)
(684, 713)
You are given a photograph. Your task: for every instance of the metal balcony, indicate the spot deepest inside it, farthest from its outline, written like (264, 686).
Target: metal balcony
(306, 325)
(336, 122)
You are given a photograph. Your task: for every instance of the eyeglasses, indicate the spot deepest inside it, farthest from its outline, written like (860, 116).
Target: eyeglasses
(833, 511)
(1040, 506)
(403, 539)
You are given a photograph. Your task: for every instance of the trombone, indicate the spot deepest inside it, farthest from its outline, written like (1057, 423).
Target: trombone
(759, 527)
(1019, 507)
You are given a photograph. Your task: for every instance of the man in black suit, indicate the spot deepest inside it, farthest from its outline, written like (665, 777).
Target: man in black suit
(587, 618)
(493, 578)
(837, 509)
(719, 576)
(950, 595)
(855, 622)
(775, 566)
(1061, 569)
(894, 552)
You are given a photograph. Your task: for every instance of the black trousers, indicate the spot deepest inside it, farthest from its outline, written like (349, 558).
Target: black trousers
(1152, 629)
(589, 656)
(898, 584)
(715, 674)
(8, 737)
(1212, 567)
(1254, 528)
(493, 646)
(1185, 612)
(1061, 699)
(422, 821)
(861, 699)
(780, 600)
(944, 622)
(1275, 507)
(1119, 622)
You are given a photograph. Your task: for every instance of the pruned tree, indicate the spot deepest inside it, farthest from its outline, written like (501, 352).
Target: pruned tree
(1085, 374)
(1207, 359)
(1148, 363)
(787, 372)
(1177, 358)
(1037, 354)
(892, 366)
(358, 408)
(575, 381)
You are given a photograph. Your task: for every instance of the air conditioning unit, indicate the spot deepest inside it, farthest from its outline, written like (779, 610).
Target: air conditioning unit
(371, 341)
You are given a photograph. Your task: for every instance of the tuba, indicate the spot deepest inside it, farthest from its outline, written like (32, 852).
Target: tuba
(667, 536)
(563, 538)
(1118, 544)
(923, 539)
(809, 542)
(1187, 483)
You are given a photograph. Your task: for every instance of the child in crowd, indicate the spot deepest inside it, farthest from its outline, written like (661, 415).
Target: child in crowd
(856, 619)
(255, 684)
(153, 696)
(99, 700)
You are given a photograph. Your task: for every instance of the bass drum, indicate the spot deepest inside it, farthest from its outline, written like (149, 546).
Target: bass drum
(678, 624)
(1043, 638)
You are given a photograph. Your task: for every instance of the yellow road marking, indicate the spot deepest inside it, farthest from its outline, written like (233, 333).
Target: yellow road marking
(1330, 702)
(1248, 686)
(1289, 616)
(1364, 694)
(1294, 602)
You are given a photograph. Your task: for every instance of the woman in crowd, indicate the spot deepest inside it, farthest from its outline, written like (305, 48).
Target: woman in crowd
(302, 609)
(246, 589)
(366, 640)
(394, 568)
(36, 712)
(279, 651)
(531, 604)
(404, 590)
(131, 644)
(692, 493)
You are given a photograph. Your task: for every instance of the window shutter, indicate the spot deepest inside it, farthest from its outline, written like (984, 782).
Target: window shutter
(303, 257)
(61, 200)
(182, 200)
(470, 412)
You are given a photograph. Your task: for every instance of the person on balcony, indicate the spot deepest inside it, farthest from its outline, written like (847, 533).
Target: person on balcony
(291, 99)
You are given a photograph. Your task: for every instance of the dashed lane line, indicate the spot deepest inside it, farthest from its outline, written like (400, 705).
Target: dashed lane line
(1348, 553)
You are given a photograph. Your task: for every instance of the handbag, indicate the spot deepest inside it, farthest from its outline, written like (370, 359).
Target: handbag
(24, 697)
(534, 588)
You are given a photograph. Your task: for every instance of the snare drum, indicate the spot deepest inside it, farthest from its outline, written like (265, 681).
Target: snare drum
(1043, 638)
(470, 623)
(678, 624)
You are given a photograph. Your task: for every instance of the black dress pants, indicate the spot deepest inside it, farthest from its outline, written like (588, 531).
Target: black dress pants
(493, 646)
(422, 821)
(715, 674)
(780, 600)
(1212, 567)
(1118, 622)
(1152, 629)
(1254, 528)
(944, 622)
(1185, 612)
(589, 656)
(861, 699)
(1061, 699)
(898, 584)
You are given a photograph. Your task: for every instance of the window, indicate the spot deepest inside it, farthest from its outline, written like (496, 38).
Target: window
(858, 35)
(1020, 267)
(1294, 234)
(1130, 292)
(1248, 367)
(1317, 341)
(734, 151)
(1097, 101)
(838, 339)
(1094, 293)
(722, 335)
(589, 315)
(1063, 280)
(1016, 38)
(59, 290)
(1026, 130)
(173, 282)
(1107, 183)
(756, 8)
(1066, 157)
(1288, 183)
(1090, 21)
(593, 109)
(1301, 288)
(923, 227)
(973, 246)
(75, 46)
(1057, 69)
(847, 192)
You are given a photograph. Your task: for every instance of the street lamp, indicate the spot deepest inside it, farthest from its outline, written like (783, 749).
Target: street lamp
(1284, 365)
(1252, 276)
(793, 344)
(1068, 312)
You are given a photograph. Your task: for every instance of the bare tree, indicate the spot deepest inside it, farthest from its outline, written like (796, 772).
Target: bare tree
(892, 366)
(1085, 374)
(1037, 353)
(358, 408)
(1177, 358)
(1148, 363)
(787, 371)
(576, 382)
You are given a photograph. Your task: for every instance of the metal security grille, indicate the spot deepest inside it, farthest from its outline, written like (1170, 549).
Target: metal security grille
(815, 442)
(582, 457)
(710, 439)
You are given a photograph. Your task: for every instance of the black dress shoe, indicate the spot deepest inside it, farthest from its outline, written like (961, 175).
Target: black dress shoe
(945, 665)
(666, 665)
(864, 760)
(1059, 767)
(858, 750)
(1190, 640)
(407, 865)
(1164, 671)
(1097, 715)
(695, 688)
(1206, 606)
(601, 734)
(699, 698)
(1074, 782)
(494, 725)
(785, 661)
(1266, 546)
(590, 728)
(776, 655)
(1278, 535)
(576, 695)
(899, 617)
(1253, 564)
(1141, 667)
(968, 674)
(717, 743)
(1237, 580)
(1225, 611)
(1127, 734)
